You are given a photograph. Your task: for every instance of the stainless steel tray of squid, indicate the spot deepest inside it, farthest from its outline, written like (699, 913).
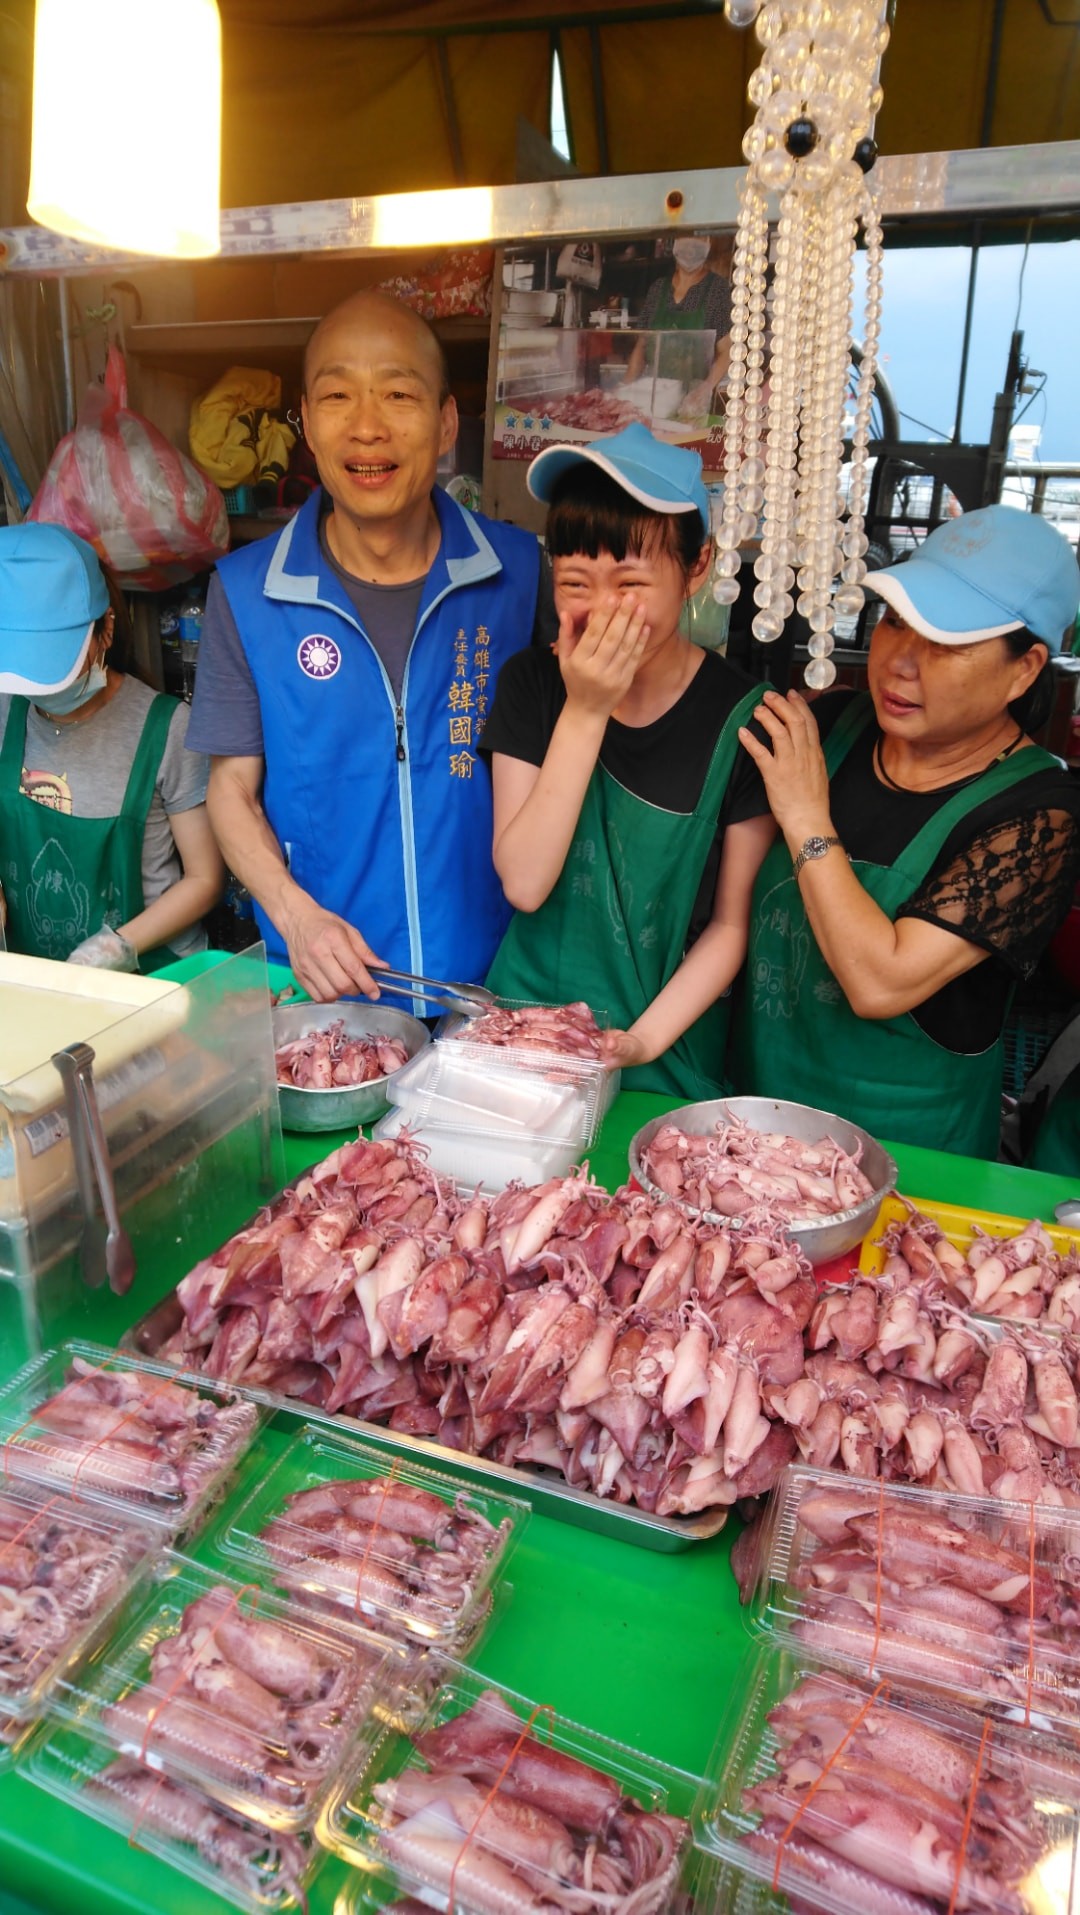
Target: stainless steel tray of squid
(542, 1489)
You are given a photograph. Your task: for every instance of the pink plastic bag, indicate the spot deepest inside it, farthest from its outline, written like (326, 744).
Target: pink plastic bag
(148, 512)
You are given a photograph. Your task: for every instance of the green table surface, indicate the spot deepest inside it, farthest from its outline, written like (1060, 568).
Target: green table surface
(647, 1648)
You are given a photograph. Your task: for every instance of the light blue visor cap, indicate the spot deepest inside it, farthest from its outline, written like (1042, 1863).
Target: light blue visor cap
(52, 592)
(984, 574)
(665, 478)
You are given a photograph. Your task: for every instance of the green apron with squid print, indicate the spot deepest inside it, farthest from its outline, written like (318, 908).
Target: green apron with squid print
(679, 361)
(65, 877)
(798, 1037)
(614, 928)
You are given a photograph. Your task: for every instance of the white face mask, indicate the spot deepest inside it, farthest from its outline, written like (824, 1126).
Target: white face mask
(690, 253)
(84, 688)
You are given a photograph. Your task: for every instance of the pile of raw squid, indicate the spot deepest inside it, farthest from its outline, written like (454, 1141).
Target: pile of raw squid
(911, 1592)
(265, 1866)
(132, 1435)
(609, 1337)
(646, 1355)
(246, 1705)
(328, 1060)
(901, 1382)
(58, 1570)
(734, 1168)
(1021, 1279)
(510, 1823)
(568, 1028)
(877, 1809)
(378, 1544)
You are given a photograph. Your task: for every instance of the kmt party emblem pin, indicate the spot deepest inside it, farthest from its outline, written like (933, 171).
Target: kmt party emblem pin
(318, 656)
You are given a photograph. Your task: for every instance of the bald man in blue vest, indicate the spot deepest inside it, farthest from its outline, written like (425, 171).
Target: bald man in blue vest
(346, 670)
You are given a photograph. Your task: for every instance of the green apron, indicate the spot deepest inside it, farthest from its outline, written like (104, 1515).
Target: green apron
(798, 1037)
(679, 362)
(65, 877)
(614, 929)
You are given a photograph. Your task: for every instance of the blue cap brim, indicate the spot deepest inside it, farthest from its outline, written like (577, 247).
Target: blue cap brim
(35, 662)
(551, 465)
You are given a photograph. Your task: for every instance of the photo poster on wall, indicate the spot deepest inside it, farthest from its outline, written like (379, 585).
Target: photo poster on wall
(595, 337)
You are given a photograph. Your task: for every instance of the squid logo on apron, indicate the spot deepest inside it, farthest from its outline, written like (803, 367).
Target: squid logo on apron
(776, 984)
(57, 903)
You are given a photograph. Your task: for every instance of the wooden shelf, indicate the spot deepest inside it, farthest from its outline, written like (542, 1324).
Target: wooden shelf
(175, 346)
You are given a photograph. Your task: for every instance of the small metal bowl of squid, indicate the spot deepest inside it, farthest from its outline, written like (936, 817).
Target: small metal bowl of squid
(347, 1106)
(822, 1238)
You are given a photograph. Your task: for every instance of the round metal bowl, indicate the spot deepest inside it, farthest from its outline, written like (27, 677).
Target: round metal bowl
(820, 1241)
(355, 1104)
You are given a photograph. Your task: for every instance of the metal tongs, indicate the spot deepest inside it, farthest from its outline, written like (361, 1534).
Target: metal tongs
(105, 1248)
(467, 1000)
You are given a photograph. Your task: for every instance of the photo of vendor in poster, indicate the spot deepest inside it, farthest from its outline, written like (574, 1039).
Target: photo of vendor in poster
(594, 337)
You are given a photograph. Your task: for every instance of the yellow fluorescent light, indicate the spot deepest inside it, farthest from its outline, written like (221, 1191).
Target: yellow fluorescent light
(126, 140)
(458, 214)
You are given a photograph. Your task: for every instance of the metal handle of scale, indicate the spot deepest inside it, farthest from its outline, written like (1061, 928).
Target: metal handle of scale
(105, 1248)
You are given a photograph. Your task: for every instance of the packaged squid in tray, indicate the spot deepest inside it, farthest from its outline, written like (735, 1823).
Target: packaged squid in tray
(376, 1541)
(970, 1598)
(105, 1428)
(498, 1806)
(64, 1570)
(852, 1796)
(236, 1690)
(263, 1871)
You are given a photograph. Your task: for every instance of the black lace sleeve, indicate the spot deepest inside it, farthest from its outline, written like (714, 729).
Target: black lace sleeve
(1009, 889)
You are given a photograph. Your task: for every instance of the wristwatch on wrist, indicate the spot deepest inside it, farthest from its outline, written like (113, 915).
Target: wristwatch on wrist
(813, 848)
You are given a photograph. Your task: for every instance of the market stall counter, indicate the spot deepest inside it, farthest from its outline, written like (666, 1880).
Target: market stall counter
(641, 1646)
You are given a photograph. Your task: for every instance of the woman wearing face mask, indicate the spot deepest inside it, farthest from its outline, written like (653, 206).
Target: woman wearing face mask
(106, 853)
(928, 852)
(695, 297)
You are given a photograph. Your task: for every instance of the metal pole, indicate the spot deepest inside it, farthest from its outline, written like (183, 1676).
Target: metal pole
(65, 344)
(965, 349)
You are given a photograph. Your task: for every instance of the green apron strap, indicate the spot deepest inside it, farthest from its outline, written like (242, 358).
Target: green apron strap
(856, 716)
(14, 747)
(147, 760)
(715, 782)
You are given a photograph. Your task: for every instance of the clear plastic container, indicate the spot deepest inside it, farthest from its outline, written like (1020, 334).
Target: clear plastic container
(449, 1088)
(64, 1571)
(954, 1612)
(461, 1841)
(121, 1433)
(597, 1086)
(848, 1797)
(412, 1552)
(236, 1690)
(259, 1871)
(494, 1158)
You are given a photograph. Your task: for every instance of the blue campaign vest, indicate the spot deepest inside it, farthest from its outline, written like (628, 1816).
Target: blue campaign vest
(384, 814)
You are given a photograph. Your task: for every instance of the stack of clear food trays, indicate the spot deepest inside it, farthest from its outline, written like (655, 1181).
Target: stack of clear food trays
(377, 1541)
(235, 1690)
(262, 1871)
(494, 1157)
(121, 1433)
(969, 1598)
(476, 1063)
(64, 1570)
(850, 1796)
(496, 1803)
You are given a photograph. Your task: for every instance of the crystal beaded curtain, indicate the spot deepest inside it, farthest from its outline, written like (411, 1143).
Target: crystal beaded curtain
(816, 95)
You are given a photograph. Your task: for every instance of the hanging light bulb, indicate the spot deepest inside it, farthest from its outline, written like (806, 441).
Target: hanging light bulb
(817, 95)
(107, 166)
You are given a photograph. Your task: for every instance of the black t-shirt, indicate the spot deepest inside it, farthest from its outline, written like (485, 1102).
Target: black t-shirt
(663, 763)
(1004, 879)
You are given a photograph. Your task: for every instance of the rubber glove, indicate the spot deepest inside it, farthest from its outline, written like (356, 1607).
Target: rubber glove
(106, 950)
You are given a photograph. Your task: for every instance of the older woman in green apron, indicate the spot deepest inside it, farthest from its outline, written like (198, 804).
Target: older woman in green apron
(629, 823)
(695, 297)
(106, 853)
(929, 849)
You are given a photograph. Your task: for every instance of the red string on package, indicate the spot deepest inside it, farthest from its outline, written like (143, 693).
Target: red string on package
(129, 1416)
(965, 1836)
(387, 1480)
(542, 1708)
(249, 1589)
(881, 1690)
(73, 1383)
